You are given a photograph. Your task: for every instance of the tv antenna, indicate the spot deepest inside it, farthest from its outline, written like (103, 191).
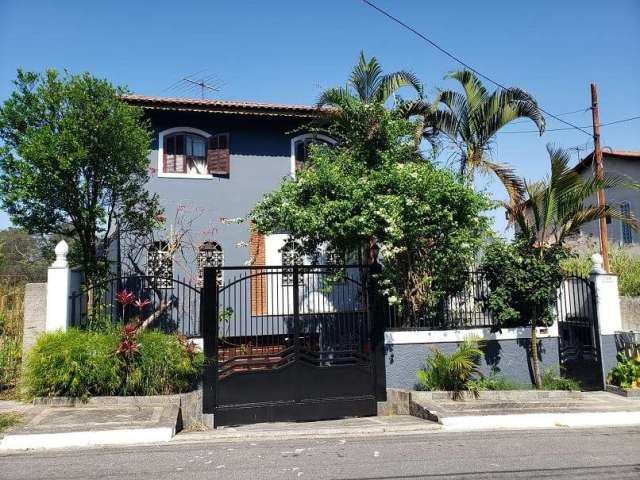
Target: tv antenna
(194, 84)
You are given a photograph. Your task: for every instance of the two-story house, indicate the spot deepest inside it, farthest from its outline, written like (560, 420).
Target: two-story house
(211, 161)
(617, 163)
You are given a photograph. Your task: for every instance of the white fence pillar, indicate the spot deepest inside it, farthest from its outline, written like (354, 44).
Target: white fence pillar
(58, 286)
(607, 298)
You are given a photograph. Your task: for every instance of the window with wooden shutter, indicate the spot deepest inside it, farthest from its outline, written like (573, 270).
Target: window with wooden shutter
(218, 158)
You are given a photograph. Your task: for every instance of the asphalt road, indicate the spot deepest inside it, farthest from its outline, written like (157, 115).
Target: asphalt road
(551, 454)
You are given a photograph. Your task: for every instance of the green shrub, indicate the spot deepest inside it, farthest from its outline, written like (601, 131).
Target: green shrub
(73, 363)
(8, 420)
(84, 363)
(495, 382)
(552, 381)
(626, 373)
(453, 373)
(162, 365)
(10, 355)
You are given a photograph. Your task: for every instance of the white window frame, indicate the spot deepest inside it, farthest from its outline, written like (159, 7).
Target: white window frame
(305, 136)
(170, 131)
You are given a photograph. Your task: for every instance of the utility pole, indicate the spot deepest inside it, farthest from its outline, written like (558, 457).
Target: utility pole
(597, 158)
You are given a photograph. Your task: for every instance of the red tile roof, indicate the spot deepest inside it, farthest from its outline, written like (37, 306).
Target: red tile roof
(223, 106)
(624, 154)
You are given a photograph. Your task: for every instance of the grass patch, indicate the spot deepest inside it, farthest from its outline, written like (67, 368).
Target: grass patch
(11, 326)
(8, 420)
(497, 382)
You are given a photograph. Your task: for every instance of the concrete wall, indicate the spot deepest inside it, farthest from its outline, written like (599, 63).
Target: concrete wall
(35, 313)
(630, 310)
(507, 358)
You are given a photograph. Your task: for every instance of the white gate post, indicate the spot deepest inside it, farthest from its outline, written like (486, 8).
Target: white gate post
(607, 298)
(58, 286)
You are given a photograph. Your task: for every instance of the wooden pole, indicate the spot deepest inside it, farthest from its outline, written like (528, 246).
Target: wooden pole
(597, 158)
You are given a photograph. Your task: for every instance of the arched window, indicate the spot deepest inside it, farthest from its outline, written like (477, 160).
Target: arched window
(292, 254)
(210, 254)
(300, 148)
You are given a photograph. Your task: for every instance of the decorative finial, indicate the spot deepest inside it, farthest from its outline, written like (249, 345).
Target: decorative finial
(61, 250)
(597, 261)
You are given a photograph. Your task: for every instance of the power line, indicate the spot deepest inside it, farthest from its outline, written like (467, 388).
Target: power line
(622, 120)
(461, 62)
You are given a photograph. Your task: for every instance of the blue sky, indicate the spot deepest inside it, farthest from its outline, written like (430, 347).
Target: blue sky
(288, 51)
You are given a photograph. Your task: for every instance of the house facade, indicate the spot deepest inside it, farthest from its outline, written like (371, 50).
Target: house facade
(617, 163)
(211, 161)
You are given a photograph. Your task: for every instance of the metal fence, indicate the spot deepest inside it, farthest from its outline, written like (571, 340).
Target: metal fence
(463, 309)
(172, 305)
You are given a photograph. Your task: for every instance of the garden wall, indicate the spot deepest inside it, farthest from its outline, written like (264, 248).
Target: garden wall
(35, 313)
(630, 311)
(506, 354)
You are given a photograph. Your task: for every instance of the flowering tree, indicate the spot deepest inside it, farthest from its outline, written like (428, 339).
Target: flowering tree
(428, 224)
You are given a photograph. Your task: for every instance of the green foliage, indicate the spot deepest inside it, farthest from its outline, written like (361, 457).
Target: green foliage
(473, 117)
(162, 366)
(622, 261)
(8, 420)
(626, 373)
(73, 363)
(73, 162)
(10, 357)
(552, 381)
(452, 373)
(523, 281)
(422, 217)
(496, 382)
(84, 363)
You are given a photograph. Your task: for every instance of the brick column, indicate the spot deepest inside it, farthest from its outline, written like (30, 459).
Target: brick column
(258, 282)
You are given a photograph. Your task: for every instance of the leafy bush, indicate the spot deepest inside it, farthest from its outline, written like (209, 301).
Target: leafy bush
(453, 373)
(552, 381)
(73, 363)
(626, 373)
(84, 363)
(494, 382)
(163, 365)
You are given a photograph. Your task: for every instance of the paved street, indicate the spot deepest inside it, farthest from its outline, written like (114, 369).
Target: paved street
(566, 454)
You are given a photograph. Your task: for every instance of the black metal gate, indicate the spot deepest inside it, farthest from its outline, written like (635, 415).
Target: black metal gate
(580, 356)
(289, 343)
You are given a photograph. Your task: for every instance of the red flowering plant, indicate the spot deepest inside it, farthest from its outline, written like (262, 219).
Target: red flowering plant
(190, 347)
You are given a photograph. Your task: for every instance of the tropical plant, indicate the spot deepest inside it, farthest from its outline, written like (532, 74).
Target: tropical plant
(553, 210)
(74, 162)
(452, 373)
(472, 119)
(367, 84)
(626, 373)
(423, 217)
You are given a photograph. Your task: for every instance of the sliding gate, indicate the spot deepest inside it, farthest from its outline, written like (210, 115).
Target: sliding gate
(288, 343)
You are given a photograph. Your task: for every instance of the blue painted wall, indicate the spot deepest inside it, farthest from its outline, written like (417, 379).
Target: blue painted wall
(508, 358)
(260, 149)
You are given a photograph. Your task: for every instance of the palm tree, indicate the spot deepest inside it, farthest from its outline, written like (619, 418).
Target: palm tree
(472, 119)
(556, 208)
(367, 84)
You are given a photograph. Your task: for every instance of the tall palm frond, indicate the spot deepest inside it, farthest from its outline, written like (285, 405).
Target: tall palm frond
(472, 118)
(559, 206)
(368, 84)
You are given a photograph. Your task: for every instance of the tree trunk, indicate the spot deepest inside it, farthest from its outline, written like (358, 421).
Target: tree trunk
(535, 360)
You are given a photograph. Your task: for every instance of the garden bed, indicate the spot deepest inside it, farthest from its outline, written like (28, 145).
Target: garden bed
(625, 392)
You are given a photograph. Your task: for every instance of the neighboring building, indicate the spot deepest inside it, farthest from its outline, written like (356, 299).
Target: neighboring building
(619, 163)
(211, 161)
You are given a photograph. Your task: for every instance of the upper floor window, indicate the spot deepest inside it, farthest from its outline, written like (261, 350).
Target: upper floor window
(194, 153)
(301, 147)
